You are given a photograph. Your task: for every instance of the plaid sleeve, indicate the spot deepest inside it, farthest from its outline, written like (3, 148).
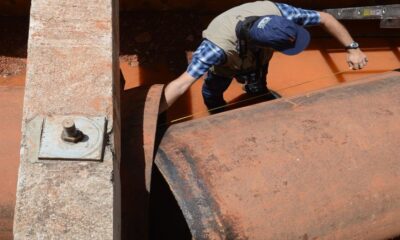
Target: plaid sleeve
(206, 55)
(300, 16)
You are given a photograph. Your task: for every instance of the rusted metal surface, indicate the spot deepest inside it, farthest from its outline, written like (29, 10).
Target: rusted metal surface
(388, 14)
(150, 118)
(367, 12)
(320, 166)
(139, 115)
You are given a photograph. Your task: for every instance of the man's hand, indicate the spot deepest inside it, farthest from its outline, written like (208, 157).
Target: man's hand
(356, 59)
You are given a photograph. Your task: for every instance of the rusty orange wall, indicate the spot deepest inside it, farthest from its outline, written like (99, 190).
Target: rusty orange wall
(21, 7)
(322, 65)
(11, 99)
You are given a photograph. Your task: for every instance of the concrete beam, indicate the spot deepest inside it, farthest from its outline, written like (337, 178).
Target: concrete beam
(72, 70)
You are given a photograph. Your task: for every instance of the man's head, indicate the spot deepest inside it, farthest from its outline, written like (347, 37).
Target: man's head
(280, 34)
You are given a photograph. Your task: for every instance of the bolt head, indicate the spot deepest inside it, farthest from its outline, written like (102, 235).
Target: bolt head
(68, 123)
(70, 133)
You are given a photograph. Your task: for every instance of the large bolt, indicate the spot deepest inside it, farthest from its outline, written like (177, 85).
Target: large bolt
(70, 132)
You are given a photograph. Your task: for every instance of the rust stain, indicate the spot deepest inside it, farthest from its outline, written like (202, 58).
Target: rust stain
(13, 81)
(103, 25)
(99, 103)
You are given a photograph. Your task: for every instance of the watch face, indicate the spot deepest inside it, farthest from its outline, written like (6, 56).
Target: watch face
(354, 45)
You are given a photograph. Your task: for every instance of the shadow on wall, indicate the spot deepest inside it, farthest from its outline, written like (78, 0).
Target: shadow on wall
(154, 46)
(134, 197)
(15, 7)
(156, 215)
(162, 37)
(166, 218)
(14, 36)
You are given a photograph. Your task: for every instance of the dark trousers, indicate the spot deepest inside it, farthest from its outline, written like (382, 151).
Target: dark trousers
(213, 89)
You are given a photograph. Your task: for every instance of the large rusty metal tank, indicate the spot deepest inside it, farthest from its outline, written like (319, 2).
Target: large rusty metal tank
(324, 165)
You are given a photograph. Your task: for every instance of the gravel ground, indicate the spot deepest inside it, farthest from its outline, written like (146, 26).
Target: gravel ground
(13, 45)
(151, 38)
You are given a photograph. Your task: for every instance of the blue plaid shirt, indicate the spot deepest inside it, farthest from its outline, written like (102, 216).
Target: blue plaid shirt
(300, 16)
(208, 54)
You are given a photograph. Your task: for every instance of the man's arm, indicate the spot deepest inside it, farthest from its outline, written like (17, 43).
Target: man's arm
(175, 89)
(207, 55)
(355, 58)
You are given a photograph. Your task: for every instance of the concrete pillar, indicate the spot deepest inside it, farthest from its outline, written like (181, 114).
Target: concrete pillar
(73, 71)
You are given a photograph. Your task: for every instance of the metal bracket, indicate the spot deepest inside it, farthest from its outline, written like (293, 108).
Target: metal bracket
(388, 14)
(390, 23)
(58, 140)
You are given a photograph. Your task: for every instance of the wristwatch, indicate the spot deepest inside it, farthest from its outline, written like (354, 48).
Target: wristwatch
(353, 45)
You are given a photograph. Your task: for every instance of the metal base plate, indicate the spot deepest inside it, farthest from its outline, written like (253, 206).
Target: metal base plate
(52, 147)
